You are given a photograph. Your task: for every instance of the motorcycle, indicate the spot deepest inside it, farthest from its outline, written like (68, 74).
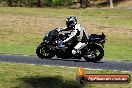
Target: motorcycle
(92, 52)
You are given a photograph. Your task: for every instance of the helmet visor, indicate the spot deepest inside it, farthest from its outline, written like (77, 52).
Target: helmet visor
(70, 23)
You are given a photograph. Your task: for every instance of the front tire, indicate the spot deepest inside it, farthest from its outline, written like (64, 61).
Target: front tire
(96, 53)
(43, 51)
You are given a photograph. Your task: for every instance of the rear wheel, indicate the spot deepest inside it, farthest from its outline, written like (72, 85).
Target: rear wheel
(94, 53)
(43, 51)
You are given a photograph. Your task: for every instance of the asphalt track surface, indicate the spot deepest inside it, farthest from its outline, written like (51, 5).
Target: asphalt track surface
(104, 64)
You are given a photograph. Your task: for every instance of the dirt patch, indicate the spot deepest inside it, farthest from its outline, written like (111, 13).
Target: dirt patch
(19, 25)
(95, 27)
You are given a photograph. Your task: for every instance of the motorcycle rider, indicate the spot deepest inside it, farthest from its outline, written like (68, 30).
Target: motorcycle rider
(77, 31)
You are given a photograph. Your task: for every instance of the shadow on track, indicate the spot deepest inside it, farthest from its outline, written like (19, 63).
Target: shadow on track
(48, 82)
(76, 60)
(90, 62)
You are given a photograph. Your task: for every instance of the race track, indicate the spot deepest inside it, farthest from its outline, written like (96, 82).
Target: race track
(104, 64)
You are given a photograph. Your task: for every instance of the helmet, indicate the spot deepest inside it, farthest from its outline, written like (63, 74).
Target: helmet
(71, 22)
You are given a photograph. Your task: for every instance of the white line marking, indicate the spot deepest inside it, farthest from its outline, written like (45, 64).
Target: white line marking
(78, 66)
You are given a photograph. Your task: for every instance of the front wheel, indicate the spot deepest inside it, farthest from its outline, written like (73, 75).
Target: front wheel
(94, 53)
(43, 51)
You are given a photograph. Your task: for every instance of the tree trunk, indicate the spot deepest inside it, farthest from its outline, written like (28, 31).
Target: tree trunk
(40, 3)
(111, 4)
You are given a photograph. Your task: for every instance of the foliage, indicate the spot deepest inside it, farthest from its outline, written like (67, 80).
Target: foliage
(34, 3)
(61, 2)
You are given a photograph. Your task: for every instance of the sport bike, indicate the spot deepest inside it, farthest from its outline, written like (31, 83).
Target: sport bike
(50, 47)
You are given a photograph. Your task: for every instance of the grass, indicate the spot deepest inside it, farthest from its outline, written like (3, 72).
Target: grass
(22, 29)
(36, 76)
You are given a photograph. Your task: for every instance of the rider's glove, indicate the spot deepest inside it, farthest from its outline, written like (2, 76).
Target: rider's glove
(62, 44)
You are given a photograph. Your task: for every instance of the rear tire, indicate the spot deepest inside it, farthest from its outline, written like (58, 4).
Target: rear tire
(97, 58)
(43, 51)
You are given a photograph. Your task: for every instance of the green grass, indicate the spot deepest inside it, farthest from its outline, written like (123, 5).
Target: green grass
(35, 76)
(121, 17)
(22, 29)
(13, 48)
